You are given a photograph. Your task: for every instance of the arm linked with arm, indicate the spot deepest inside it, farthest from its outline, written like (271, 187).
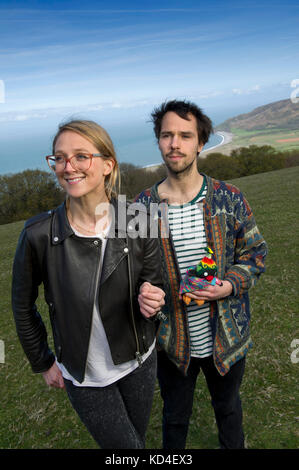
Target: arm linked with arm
(151, 294)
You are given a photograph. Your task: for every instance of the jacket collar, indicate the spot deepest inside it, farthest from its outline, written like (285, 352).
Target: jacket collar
(61, 229)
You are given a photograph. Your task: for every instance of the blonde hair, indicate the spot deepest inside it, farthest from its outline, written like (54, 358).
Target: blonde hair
(102, 141)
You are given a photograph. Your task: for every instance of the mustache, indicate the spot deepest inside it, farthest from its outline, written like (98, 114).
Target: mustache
(172, 154)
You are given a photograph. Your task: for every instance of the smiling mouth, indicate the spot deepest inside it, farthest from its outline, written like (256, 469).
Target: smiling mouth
(74, 180)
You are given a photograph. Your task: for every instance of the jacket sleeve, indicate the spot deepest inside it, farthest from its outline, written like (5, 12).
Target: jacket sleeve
(29, 325)
(250, 251)
(151, 271)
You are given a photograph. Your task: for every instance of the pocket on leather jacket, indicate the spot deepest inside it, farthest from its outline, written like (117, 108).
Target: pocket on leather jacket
(56, 338)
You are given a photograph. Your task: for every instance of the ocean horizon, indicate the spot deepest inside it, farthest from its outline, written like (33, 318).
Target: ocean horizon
(25, 152)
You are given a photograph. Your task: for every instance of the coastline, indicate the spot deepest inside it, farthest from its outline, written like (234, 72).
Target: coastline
(227, 138)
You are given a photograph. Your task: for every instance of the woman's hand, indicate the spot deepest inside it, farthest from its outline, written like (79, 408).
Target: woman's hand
(53, 377)
(151, 299)
(212, 292)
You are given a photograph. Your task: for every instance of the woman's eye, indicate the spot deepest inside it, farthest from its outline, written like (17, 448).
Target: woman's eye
(81, 157)
(58, 158)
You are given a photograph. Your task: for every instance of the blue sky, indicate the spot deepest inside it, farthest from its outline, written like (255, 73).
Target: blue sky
(113, 62)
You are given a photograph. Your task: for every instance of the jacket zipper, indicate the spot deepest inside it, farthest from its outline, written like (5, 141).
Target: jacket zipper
(137, 354)
(94, 301)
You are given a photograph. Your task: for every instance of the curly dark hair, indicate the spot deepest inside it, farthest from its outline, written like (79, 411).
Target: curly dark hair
(183, 109)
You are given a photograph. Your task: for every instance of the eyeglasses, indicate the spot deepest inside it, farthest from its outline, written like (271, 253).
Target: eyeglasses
(80, 161)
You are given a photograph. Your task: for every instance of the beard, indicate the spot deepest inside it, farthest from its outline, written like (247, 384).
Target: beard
(183, 170)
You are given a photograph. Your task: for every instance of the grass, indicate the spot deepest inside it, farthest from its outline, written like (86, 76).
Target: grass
(267, 137)
(33, 416)
(244, 138)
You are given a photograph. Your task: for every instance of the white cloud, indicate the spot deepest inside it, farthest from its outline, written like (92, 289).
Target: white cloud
(211, 94)
(2, 92)
(237, 91)
(248, 91)
(46, 113)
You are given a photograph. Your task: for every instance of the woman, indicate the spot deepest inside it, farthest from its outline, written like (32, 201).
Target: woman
(101, 286)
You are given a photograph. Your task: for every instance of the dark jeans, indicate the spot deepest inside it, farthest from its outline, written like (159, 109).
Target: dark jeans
(117, 416)
(177, 392)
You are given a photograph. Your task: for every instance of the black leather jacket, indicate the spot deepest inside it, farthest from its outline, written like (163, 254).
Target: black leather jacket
(49, 252)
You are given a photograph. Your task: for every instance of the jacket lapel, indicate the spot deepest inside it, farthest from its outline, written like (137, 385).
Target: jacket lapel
(117, 248)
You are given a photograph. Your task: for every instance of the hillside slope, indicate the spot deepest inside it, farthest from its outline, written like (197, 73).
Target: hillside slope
(278, 115)
(32, 416)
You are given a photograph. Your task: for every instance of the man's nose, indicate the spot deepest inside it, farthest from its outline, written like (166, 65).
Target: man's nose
(175, 142)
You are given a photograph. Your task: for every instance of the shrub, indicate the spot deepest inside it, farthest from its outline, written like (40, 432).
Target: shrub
(28, 193)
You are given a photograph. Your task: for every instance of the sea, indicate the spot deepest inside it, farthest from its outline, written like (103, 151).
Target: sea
(25, 149)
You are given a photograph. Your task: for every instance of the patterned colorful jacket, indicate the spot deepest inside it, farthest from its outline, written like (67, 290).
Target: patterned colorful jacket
(239, 251)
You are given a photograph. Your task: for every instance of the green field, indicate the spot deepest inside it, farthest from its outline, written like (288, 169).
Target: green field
(280, 139)
(34, 416)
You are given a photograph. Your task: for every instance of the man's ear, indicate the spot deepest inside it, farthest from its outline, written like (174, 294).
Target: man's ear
(199, 148)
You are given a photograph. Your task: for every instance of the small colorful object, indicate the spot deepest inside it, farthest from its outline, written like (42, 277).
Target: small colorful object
(199, 277)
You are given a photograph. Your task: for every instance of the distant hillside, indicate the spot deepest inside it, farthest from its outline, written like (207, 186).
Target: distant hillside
(278, 115)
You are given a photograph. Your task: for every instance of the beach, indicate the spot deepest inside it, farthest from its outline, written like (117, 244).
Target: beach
(227, 138)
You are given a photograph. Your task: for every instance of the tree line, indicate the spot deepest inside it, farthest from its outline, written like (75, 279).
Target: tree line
(30, 192)
(246, 161)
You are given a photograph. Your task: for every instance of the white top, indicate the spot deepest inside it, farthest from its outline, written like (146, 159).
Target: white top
(187, 229)
(100, 370)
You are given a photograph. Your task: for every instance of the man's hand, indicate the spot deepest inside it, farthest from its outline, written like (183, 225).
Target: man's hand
(212, 292)
(151, 299)
(53, 377)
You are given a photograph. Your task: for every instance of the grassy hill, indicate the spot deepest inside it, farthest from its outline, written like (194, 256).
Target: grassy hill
(34, 416)
(282, 114)
(275, 124)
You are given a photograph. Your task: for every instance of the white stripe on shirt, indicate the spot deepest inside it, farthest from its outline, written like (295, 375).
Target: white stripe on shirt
(188, 233)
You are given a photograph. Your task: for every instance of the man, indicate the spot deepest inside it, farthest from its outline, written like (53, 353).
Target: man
(215, 337)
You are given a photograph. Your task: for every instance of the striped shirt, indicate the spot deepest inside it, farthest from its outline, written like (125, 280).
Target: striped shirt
(187, 229)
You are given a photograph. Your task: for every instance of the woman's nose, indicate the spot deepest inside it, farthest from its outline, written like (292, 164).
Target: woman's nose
(68, 166)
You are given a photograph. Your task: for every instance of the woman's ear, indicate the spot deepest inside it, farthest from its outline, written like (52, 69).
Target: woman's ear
(108, 166)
